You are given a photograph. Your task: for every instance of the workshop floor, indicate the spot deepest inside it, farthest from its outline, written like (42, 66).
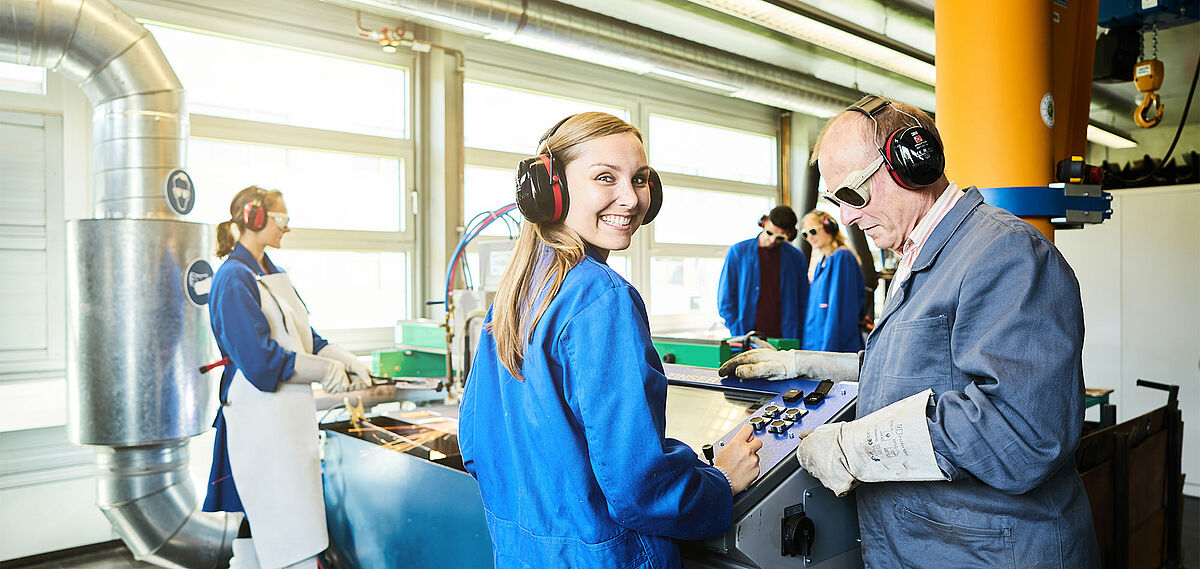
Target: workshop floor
(117, 557)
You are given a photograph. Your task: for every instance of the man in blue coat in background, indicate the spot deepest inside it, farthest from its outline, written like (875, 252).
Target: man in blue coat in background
(764, 283)
(970, 400)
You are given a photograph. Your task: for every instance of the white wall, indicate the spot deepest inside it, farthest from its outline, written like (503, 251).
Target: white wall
(1139, 274)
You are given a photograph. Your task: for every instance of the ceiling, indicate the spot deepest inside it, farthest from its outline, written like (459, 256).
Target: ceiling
(907, 26)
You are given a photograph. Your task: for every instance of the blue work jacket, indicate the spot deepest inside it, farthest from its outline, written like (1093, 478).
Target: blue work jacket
(572, 462)
(835, 305)
(737, 292)
(990, 318)
(244, 336)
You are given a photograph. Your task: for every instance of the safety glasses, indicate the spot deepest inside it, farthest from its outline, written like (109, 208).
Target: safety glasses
(855, 190)
(281, 219)
(778, 237)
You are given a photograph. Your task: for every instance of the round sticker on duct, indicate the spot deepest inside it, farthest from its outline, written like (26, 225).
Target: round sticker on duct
(179, 192)
(197, 281)
(1048, 110)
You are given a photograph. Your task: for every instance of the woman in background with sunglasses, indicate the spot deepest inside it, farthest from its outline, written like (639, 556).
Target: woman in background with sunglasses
(837, 293)
(265, 460)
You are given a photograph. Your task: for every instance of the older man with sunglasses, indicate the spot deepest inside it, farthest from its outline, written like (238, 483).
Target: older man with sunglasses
(971, 385)
(764, 283)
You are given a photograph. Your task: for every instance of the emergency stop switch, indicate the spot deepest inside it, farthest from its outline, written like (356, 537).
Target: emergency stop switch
(797, 532)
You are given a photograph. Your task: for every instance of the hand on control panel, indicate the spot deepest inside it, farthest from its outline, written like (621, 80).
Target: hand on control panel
(770, 364)
(740, 459)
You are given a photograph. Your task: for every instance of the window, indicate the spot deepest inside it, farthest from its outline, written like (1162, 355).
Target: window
(344, 169)
(250, 81)
(323, 190)
(489, 189)
(699, 149)
(708, 218)
(22, 78)
(680, 285)
(511, 120)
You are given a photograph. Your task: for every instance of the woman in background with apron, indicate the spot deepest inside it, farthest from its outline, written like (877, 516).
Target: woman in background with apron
(265, 457)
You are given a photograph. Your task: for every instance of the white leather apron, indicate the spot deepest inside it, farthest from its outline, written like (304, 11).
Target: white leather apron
(272, 443)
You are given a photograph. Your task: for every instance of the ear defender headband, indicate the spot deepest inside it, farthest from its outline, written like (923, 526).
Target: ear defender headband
(542, 194)
(912, 155)
(254, 213)
(829, 224)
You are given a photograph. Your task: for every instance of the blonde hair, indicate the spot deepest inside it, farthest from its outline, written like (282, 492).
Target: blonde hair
(545, 252)
(251, 195)
(889, 120)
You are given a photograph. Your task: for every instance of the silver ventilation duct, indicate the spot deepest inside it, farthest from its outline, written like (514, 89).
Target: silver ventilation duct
(568, 31)
(136, 332)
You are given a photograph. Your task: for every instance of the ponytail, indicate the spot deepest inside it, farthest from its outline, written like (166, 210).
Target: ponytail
(225, 238)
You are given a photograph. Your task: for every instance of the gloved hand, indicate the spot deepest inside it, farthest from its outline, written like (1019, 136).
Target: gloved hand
(331, 373)
(360, 374)
(770, 364)
(889, 445)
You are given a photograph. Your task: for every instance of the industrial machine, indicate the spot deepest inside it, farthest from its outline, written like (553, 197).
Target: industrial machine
(427, 512)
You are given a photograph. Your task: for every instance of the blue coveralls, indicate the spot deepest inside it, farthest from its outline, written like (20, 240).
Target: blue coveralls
(572, 462)
(835, 304)
(990, 318)
(244, 336)
(737, 292)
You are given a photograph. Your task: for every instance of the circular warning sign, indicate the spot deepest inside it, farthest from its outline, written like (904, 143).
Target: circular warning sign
(197, 281)
(179, 192)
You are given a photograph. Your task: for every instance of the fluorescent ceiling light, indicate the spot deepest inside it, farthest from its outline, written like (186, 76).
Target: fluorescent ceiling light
(715, 85)
(456, 22)
(583, 53)
(1105, 138)
(773, 17)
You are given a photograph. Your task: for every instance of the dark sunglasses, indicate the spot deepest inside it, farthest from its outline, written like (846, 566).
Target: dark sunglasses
(855, 190)
(812, 231)
(778, 237)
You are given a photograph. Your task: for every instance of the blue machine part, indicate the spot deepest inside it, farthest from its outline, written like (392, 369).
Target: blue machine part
(388, 508)
(1070, 203)
(776, 446)
(1163, 13)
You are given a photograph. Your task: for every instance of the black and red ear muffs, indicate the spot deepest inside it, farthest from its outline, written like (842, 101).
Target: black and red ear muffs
(913, 155)
(254, 216)
(542, 194)
(830, 225)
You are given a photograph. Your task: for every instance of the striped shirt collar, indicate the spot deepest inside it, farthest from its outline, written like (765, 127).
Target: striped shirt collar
(916, 240)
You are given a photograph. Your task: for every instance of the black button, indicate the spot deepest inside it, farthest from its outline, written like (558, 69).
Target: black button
(758, 423)
(792, 395)
(771, 411)
(779, 426)
(792, 414)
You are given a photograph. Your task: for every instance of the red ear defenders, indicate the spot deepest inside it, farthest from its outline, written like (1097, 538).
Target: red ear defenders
(912, 155)
(830, 225)
(542, 194)
(254, 216)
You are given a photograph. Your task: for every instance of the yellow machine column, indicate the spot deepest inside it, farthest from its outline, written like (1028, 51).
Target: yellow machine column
(995, 110)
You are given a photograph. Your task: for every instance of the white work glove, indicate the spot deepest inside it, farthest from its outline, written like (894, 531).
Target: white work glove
(889, 445)
(360, 374)
(770, 364)
(329, 372)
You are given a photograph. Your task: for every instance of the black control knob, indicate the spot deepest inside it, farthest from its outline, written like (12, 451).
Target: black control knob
(771, 411)
(793, 414)
(797, 533)
(708, 453)
(758, 423)
(779, 426)
(668, 358)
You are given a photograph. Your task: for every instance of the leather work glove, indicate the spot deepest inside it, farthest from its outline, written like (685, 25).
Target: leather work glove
(360, 374)
(329, 372)
(889, 445)
(770, 364)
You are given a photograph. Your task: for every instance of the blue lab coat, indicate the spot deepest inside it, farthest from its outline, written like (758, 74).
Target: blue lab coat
(244, 336)
(572, 462)
(990, 318)
(835, 304)
(737, 292)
